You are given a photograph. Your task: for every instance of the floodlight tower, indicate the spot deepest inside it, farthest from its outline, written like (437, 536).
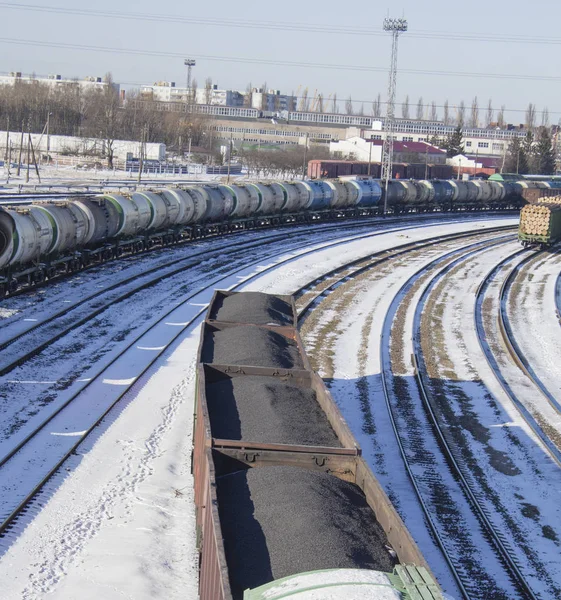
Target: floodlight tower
(395, 27)
(189, 63)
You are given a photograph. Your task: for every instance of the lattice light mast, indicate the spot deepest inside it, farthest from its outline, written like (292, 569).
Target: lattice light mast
(395, 27)
(189, 63)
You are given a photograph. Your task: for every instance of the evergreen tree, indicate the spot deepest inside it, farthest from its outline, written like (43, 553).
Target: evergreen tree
(544, 161)
(516, 160)
(453, 145)
(529, 152)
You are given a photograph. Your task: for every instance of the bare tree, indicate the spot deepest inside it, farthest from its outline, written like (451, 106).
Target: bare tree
(304, 105)
(531, 116)
(405, 108)
(248, 96)
(349, 106)
(377, 106)
(461, 116)
(361, 110)
(474, 115)
(433, 111)
(104, 117)
(193, 92)
(545, 117)
(446, 117)
(208, 90)
(264, 96)
(501, 117)
(320, 103)
(490, 112)
(334, 104)
(420, 109)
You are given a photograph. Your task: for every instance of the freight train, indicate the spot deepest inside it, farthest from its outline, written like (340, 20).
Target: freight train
(43, 240)
(285, 502)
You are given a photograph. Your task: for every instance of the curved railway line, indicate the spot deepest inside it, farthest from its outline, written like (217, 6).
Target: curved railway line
(154, 341)
(490, 532)
(159, 273)
(9, 465)
(515, 354)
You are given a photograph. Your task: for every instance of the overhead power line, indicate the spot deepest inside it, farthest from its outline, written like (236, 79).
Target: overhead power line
(286, 63)
(280, 25)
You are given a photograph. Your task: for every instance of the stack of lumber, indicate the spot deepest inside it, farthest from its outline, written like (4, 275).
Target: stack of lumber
(535, 219)
(556, 200)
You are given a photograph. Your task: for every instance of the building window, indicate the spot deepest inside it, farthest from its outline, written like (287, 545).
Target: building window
(468, 144)
(407, 139)
(483, 145)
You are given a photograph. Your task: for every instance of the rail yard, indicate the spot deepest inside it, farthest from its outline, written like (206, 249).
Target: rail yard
(434, 333)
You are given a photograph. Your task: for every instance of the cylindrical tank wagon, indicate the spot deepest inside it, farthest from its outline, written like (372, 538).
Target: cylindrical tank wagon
(78, 232)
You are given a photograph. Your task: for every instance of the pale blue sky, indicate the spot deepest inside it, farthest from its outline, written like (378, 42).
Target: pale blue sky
(503, 18)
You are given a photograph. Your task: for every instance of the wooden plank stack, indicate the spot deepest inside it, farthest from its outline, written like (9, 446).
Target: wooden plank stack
(551, 200)
(535, 219)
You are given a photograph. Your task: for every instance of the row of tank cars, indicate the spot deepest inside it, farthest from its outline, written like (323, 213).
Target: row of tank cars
(43, 240)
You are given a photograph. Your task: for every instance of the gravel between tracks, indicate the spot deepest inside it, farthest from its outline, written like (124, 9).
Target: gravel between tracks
(264, 409)
(251, 345)
(278, 521)
(253, 307)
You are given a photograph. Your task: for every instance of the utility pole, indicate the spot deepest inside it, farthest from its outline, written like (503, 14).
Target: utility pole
(395, 27)
(189, 63)
(370, 156)
(7, 137)
(34, 159)
(230, 156)
(304, 165)
(28, 156)
(20, 150)
(427, 162)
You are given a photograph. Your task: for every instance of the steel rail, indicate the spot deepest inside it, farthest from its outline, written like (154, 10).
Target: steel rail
(16, 360)
(8, 521)
(333, 222)
(23, 503)
(306, 308)
(552, 450)
(456, 463)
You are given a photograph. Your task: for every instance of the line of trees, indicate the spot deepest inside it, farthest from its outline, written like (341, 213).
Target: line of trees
(96, 113)
(531, 155)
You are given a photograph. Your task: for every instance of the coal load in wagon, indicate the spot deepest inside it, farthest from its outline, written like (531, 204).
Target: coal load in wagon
(278, 521)
(264, 409)
(253, 307)
(251, 345)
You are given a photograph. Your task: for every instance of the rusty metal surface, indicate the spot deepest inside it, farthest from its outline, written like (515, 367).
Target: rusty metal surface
(212, 456)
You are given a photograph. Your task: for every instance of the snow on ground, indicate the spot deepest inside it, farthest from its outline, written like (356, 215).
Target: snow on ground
(535, 324)
(119, 523)
(516, 477)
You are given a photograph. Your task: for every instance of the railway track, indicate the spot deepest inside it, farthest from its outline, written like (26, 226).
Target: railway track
(27, 283)
(73, 315)
(495, 537)
(338, 277)
(99, 396)
(510, 345)
(42, 453)
(457, 463)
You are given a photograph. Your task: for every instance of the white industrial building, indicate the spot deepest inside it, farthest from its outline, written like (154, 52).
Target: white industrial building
(363, 150)
(167, 91)
(486, 142)
(66, 145)
(56, 81)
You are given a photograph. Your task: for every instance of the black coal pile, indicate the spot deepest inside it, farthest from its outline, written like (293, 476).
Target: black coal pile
(279, 521)
(253, 307)
(251, 345)
(264, 409)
